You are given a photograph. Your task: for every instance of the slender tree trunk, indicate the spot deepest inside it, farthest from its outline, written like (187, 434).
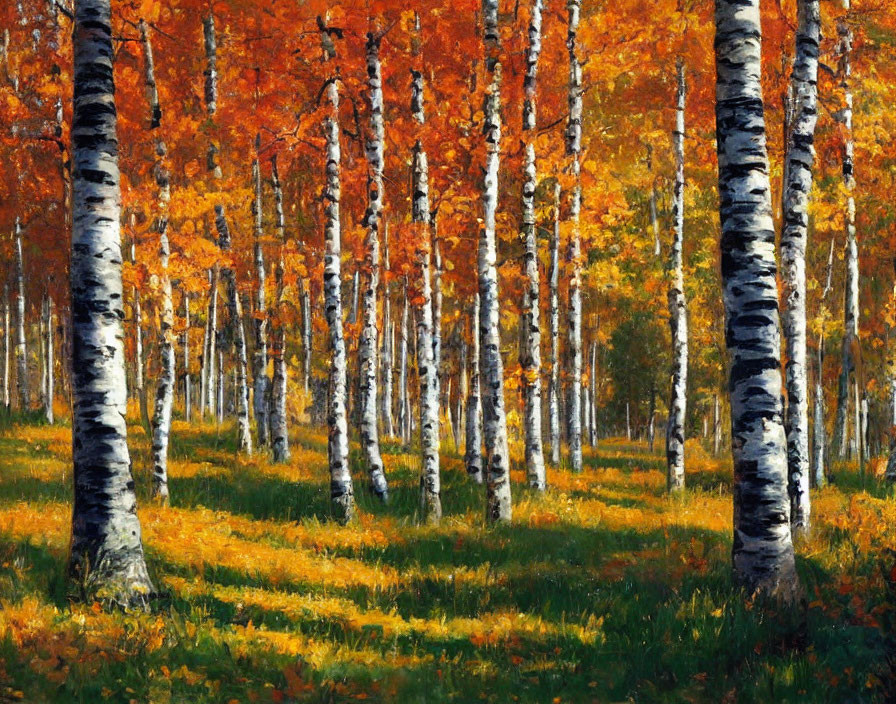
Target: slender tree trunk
(161, 419)
(188, 391)
(212, 377)
(50, 365)
(279, 425)
(368, 346)
(473, 442)
(21, 348)
(819, 441)
(342, 496)
(574, 249)
(436, 306)
(106, 552)
(307, 332)
(219, 387)
(530, 349)
(654, 220)
(427, 374)
(497, 456)
(261, 383)
(403, 404)
(763, 550)
(798, 187)
(851, 300)
(716, 425)
(554, 324)
(6, 340)
(234, 305)
(139, 383)
(592, 396)
(462, 391)
(386, 355)
(651, 421)
(678, 313)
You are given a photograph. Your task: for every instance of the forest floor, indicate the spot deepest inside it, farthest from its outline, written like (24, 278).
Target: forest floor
(602, 590)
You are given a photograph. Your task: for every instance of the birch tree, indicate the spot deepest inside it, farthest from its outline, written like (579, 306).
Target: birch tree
(763, 551)
(851, 293)
(554, 327)
(678, 313)
(161, 419)
(574, 248)
(430, 483)
(261, 383)
(530, 323)
(21, 344)
(497, 459)
(797, 189)
(106, 552)
(473, 421)
(342, 495)
(387, 351)
(234, 305)
(279, 427)
(368, 346)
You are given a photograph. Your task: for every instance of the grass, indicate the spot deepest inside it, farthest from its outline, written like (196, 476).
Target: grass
(602, 590)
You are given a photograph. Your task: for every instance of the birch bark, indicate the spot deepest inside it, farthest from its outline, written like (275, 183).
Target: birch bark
(342, 496)
(497, 459)
(678, 314)
(574, 251)
(763, 550)
(21, 345)
(368, 346)
(554, 325)
(473, 441)
(851, 293)
(530, 349)
(798, 188)
(106, 552)
(430, 482)
(161, 419)
(279, 426)
(261, 383)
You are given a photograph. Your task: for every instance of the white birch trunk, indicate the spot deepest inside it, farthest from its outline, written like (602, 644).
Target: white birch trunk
(851, 292)
(188, 391)
(497, 455)
(592, 396)
(211, 376)
(574, 249)
(368, 346)
(797, 190)
(261, 383)
(21, 345)
(50, 365)
(279, 425)
(234, 305)
(342, 496)
(106, 552)
(473, 441)
(427, 374)
(161, 419)
(403, 403)
(554, 324)
(530, 349)
(386, 356)
(6, 341)
(819, 440)
(678, 313)
(654, 220)
(763, 550)
(307, 335)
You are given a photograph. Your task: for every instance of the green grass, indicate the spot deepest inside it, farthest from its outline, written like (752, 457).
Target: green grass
(602, 590)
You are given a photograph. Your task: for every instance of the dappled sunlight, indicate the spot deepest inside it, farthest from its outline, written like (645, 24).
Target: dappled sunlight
(265, 598)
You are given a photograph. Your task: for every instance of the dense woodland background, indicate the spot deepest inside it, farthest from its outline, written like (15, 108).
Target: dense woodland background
(428, 332)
